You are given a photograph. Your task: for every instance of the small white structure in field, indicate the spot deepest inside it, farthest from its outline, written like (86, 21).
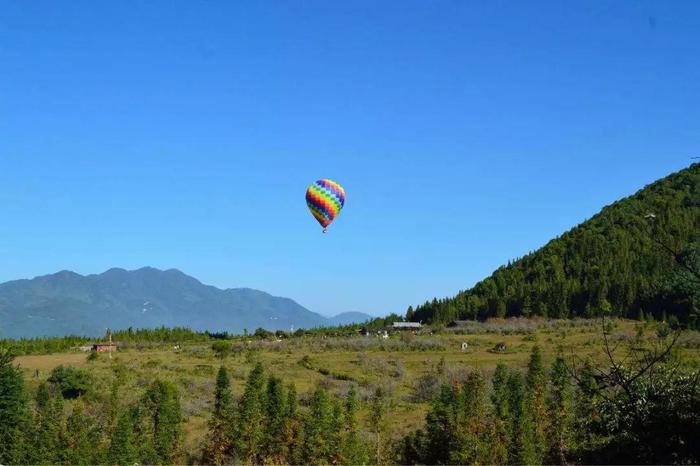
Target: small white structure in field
(406, 325)
(465, 346)
(176, 348)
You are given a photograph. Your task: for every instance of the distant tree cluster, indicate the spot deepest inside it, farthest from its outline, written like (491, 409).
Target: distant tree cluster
(639, 254)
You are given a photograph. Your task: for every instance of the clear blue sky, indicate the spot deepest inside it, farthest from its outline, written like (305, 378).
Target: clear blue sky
(184, 134)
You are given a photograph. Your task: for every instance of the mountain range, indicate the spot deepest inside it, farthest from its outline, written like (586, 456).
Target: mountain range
(67, 303)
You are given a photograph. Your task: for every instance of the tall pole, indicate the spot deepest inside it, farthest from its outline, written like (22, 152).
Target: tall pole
(109, 336)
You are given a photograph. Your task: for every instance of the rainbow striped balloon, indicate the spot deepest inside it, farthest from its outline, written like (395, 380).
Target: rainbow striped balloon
(325, 198)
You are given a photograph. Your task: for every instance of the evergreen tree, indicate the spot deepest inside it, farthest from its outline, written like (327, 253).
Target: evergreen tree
(354, 450)
(521, 449)
(293, 432)
(318, 443)
(13, 410)
(536, 410)
(82, 437)
(275, 422)
(250, 429)
(409, 314)
(586, 411)
(441, 427)
(163, 405)
(472, 435)
(48, 427)
(378, 425)
(501, 434)
(559, 413)
(219, 442)
(122, 450)
(142, 428)
(641, 317)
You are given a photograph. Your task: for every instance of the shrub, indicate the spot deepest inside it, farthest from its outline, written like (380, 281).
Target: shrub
(71, 381)
(221, 348)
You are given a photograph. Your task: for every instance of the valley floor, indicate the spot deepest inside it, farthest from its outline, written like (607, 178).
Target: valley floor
(404, 364)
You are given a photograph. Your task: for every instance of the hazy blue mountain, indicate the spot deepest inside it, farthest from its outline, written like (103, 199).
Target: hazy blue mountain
(346, 318)
(69, 303)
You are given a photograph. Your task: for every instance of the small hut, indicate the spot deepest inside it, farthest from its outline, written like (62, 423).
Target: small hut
(104, 347)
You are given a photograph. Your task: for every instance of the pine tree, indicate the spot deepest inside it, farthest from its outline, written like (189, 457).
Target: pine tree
(471, 434)
(318, 447)
(293, 431)
(219, 441)
(275, 422)
(250, 426)
(586, 411)
(48, 427)
(500, 398)
(536, 411)
(13, 410)
(122, 450)
(521, 449)
(163, 404)
(354, 450)
(142, 428)
(409, 314)
(337, 431)
(82, 437)
(641, 317)
(441, 427)
(559, 413)
(378, 425)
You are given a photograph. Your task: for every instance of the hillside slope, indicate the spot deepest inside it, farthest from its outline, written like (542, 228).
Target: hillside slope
(618, 262)
(68, 303)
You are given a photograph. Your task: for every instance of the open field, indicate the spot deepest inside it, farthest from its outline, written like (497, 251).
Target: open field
(403, 363)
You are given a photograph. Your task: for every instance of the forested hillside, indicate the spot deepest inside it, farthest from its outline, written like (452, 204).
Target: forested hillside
(620, 262)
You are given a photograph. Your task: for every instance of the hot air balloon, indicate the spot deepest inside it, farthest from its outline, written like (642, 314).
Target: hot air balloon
(325, 198)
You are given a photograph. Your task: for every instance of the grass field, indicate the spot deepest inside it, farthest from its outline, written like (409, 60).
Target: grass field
(397, 363)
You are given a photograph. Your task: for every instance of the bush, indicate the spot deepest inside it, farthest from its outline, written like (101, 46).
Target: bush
(221, 348)
(71, 381)
(262, 333)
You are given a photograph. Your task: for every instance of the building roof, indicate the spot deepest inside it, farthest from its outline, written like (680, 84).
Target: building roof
(406, 325)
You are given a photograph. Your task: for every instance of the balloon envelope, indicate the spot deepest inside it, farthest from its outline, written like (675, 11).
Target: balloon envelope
(325, 198)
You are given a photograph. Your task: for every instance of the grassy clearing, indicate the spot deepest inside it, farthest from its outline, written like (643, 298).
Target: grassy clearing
(397, 363)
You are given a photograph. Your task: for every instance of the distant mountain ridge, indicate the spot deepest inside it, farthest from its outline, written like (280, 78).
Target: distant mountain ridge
(69, 303)
(345, 318)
